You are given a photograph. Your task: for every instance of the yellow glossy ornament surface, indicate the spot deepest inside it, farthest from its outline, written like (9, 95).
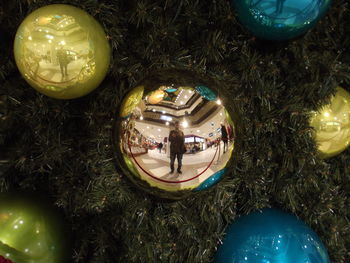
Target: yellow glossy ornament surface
(62, 51)
(131, 101)
(332, 125)
(156, 96)
(29, 233)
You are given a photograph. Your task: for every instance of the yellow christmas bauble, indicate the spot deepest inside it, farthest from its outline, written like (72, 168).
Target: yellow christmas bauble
(62, 51)
(132, 100)
(332, 125)
(31, 231)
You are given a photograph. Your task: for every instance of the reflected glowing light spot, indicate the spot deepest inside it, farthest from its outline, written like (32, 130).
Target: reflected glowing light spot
(167, 123)
(141, 118)
(218, 102)
(21, 222)
(15, 226)
(326, 114)
(30, 38)
(185, 124)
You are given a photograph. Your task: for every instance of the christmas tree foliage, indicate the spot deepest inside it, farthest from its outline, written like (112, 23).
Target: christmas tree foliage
(63, 148)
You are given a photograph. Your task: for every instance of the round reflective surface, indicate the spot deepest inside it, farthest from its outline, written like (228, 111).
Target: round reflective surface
(174, 133)
(280, 19)
(62, 51)
(332, 125)
(30, 231)
(271, 236)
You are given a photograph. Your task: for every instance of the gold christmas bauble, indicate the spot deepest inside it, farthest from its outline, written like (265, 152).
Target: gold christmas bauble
(173, 134)
(62, 51)
(332, 125)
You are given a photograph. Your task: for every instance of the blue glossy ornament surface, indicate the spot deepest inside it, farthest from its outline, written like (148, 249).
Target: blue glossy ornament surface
(205, 92)
(209, 182)
(171, 90)
(271, 236)
(280, 19)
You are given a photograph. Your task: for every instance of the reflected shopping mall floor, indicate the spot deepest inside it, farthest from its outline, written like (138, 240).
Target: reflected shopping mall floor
(158, 164)
(52, 73)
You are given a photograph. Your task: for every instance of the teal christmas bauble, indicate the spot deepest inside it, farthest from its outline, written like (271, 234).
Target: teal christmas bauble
(271, 236)
(280, 19)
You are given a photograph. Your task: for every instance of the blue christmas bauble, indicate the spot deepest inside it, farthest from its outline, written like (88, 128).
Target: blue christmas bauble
(212, 180)
(271, 236)
(280, 19)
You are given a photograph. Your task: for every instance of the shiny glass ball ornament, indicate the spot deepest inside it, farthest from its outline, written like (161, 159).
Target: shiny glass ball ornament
(280, 19)
(332, 125)
(30, 231)
(271, 236)
(62, 51)
(172, 138)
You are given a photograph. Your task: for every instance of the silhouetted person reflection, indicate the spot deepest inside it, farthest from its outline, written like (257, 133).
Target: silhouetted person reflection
(63, 60)
(177, 147)
(224, 136)
(160, 146)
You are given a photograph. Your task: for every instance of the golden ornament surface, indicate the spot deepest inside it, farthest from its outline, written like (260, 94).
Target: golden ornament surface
(332, 125)
(173, 134)
(62, 51)
(31, 231)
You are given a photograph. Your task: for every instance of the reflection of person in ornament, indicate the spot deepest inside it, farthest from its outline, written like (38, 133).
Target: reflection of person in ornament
(63, 60)
(177, 147)
(224, 137)
(160, 146)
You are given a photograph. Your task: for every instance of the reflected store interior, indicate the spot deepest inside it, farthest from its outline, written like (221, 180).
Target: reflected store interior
(57, 51)
(175, 137)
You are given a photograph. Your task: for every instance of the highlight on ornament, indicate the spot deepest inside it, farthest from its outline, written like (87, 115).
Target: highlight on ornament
(271, 236)
(62, 51)
(31, 231)
(280, 19)
(332, 125)
(173, 135)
